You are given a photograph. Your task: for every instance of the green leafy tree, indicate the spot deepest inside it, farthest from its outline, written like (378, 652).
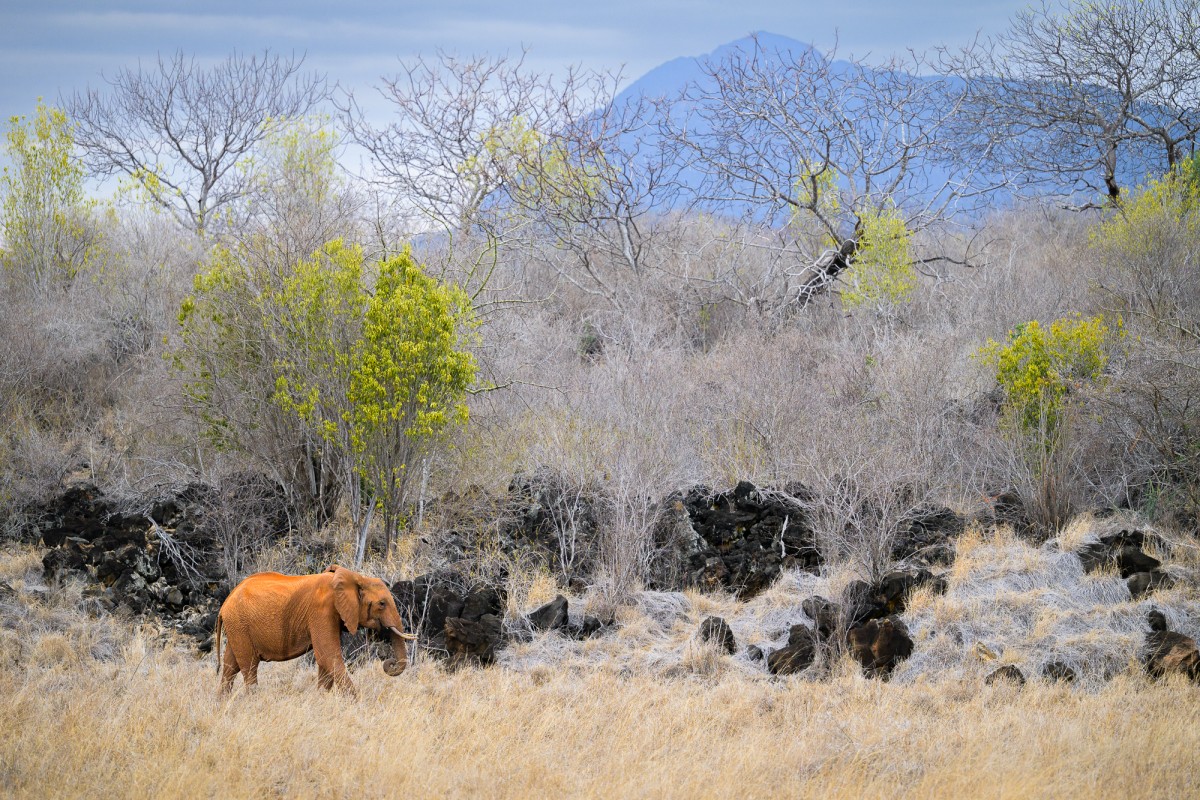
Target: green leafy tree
(369, 360)
(1189, 171)
(1041, 371)
(1150, 245)
(46, 216)
(295, 193)
(883, 275)
(1038, 366)
(228, 344)
(769, 129)
(1148, 256)
(544, 175)
(410, 373)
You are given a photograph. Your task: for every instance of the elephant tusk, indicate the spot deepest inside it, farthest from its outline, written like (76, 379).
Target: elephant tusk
(411, 637)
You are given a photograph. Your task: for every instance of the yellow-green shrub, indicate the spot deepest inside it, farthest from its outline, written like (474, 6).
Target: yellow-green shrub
(1149, 248)
(43, 208)
(1038, 366)
(883, 273)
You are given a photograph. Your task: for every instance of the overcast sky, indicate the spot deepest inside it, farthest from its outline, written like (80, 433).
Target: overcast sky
(48, 47)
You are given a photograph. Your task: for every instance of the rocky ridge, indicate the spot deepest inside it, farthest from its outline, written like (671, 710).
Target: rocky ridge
(164, 557)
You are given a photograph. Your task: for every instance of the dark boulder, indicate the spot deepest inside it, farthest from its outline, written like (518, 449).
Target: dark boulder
(473, 641)
(405, 596)
(1122, 550)
(889, 595)
(826, 615)
(1094, 556)
(1059, 672)
(880, 644)
(1131, 560)
(200, 626)
(483, 600)
(754, 653)
(1008, 508)
(68, 558)
(712, 576)
(465, 627)
(586, 629)
(799, 654)
(156, 555)
(1170, 653)
(1123, 538)
(553, 517)
(928, 534)
(82, 511)
(426, 602)
(1008, 673)
(551, 617)
(1142, 583)
(738, 540)
(801, 636)
(441, 603)
(716, 630)
(1157, 620)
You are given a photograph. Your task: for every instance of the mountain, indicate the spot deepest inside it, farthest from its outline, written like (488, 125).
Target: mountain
(840, 114)
(668, 79)
(863, 128)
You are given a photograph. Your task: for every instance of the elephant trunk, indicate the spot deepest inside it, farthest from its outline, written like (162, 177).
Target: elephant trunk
(396, 665)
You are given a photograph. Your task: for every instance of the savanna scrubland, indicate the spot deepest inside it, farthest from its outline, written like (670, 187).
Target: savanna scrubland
(513, 349)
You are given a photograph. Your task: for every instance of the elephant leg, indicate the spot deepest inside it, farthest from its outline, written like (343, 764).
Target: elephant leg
(328, 677)
(250, 672)
(331, 672)
(245, 658)
(229, 670)
(331, 666)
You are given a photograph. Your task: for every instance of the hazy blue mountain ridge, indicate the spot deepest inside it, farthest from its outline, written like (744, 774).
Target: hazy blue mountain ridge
(873, 126)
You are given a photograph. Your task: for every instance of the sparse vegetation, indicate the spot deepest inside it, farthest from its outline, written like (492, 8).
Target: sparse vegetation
(541, 354)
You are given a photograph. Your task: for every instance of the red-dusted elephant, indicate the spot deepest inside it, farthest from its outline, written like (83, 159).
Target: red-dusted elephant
(273, 617)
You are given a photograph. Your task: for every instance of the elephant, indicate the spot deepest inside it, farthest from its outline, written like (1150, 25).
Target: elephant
(274, 617)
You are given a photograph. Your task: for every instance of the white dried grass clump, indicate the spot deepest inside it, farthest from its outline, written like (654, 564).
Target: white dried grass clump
(658, 633)
(664, 608)
(1011, 603)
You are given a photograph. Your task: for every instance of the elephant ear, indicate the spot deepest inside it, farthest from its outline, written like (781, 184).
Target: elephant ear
(345, 596)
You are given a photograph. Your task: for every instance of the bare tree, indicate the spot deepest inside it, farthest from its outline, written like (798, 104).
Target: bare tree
(1078, 96)
(440, 153)
(178, 129)
(811, 146)
(595, 187)
(502, 161)
(297, 197)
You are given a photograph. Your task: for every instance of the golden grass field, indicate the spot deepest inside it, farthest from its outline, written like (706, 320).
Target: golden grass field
(150, 725)
(97, 708)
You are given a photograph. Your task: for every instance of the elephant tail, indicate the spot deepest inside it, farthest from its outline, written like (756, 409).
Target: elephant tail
(217, 642)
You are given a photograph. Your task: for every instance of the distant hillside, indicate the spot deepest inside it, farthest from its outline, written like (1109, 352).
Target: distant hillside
(670, 79)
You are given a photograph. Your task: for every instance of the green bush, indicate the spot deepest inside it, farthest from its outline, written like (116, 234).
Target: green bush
(1038, 366)
(368, 361)
(883, 275)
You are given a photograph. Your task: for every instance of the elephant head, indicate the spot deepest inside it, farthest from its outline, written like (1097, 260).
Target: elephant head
(364, 602)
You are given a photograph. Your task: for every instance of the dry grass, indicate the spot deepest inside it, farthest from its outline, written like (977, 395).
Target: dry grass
(149, 725)
(1009, 602)
(95, 707)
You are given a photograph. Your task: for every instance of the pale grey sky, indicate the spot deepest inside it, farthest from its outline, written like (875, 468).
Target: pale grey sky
(48, 47)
